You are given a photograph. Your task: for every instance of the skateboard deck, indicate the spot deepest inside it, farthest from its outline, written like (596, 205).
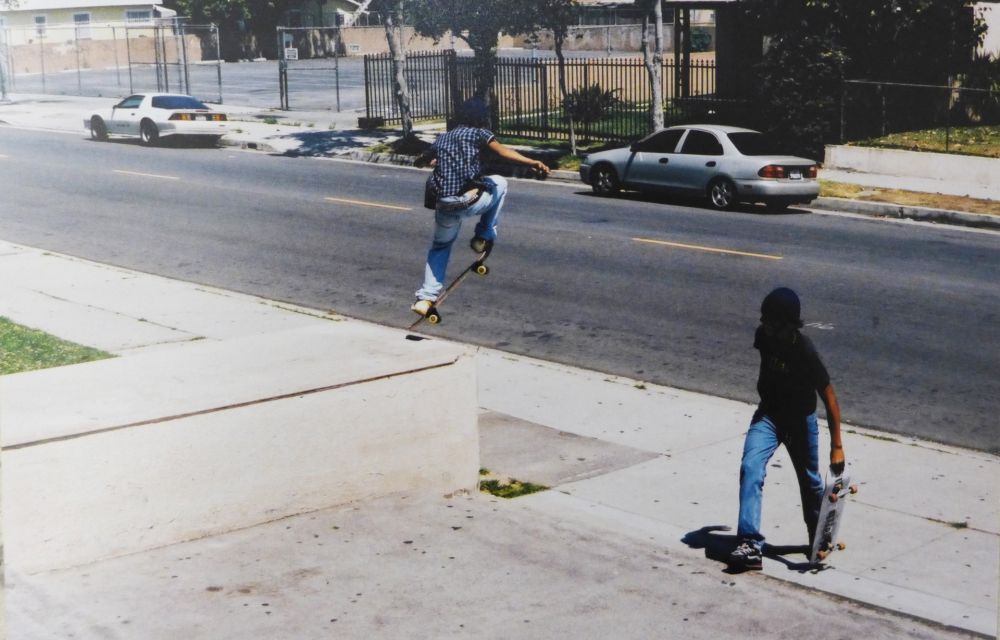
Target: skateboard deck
(831, 513)
(478, 267)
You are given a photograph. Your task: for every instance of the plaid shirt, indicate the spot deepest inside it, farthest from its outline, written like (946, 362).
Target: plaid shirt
(458, 159)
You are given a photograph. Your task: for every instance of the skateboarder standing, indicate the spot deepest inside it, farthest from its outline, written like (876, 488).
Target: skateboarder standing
(457, 190)
(791, 374)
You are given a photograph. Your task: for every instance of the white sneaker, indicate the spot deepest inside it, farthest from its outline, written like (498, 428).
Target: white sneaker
(421, 307)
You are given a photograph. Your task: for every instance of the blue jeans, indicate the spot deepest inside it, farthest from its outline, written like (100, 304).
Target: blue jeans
(801, 438)
(447, 225)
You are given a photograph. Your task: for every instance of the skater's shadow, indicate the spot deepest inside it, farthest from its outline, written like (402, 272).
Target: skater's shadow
(719, 545)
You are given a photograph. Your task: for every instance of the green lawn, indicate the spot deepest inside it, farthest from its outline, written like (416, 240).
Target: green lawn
(25, 349)
(973, 141)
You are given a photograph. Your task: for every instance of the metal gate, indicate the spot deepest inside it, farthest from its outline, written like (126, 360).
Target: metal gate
(311, 56)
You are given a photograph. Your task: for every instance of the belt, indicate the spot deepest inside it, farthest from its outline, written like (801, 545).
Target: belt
(463, 201)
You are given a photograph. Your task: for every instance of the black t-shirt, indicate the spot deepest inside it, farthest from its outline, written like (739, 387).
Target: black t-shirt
(791, 374)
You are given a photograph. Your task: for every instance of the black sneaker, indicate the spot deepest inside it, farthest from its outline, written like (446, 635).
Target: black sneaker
(480, 245)
(746, 556)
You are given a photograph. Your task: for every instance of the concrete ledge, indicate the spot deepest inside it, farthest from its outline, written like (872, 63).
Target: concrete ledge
(124, 455)
(922, 214)
(946, 167)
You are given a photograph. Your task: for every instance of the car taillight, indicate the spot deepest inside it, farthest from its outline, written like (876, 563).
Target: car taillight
(772, 171)
(811, 172)
(218, 117)
(182, 116)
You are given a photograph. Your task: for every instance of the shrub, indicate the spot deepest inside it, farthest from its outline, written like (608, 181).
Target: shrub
(590, 104)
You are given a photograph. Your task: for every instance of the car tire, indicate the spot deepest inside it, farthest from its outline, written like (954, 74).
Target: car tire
(98, 130)
(148, 133)
(604, 180)
(722, 194)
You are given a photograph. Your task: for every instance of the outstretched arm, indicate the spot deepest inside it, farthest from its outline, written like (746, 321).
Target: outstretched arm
(513, 156)
(829, 397)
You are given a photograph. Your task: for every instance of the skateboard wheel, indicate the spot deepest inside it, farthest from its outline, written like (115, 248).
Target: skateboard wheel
(841, 546)
(834, 497)
(822, 554)
(853, 489)
(433, 316)
(482, 269)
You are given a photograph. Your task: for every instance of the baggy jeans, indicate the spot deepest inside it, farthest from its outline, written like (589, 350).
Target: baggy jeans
(801, 438)
(447, 224)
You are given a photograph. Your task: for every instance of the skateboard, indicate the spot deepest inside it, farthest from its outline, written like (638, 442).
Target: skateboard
(831, 512)
(478, 267)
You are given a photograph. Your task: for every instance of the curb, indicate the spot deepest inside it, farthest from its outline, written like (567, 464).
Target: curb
(921, 214)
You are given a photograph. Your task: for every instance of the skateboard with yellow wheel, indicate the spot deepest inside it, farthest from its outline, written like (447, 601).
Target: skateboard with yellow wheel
(479, 267)
(831, 513)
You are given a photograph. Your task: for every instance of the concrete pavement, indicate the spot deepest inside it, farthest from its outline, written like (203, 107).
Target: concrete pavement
(626, 543)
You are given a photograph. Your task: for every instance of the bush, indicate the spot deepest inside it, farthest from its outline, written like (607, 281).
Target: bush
(590, 104)
(701, 39)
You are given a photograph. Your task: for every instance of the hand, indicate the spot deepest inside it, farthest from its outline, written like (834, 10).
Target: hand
(837, 460)
(433, 163)
(540, 167)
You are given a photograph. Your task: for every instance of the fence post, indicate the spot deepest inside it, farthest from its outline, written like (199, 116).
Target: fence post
(118, 69)
(545, 99)
(947, 116)
(184, 57)
(76, 47)
(843, 111)
(128, 52)
(218, 58)
(41, 47)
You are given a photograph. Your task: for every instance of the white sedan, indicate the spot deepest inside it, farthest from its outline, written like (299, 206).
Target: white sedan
(726, 165)
(152, 116)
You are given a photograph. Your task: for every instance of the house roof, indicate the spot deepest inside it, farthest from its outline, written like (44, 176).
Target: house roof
(52, 5)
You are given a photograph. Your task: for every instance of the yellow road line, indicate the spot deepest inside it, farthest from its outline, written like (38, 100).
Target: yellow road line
(709, 249)
(369, 204)
(144, 175)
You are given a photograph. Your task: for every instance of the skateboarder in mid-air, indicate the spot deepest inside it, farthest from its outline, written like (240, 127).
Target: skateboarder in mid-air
(457, 190)
(791, 374)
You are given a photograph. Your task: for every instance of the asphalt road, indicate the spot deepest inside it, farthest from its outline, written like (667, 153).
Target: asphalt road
(905, 314)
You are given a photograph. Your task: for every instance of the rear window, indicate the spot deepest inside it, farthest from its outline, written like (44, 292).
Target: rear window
(177, 102)
(753, 144)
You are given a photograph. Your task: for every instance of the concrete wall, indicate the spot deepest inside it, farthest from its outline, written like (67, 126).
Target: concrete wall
(914, 164)
(990, 12)
(122, 455)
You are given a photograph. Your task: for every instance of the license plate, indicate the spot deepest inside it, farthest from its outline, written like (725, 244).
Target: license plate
(795, 174)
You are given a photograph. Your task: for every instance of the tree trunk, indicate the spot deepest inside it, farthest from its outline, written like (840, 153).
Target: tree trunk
(559, 38)
(401, 90)
(654, 62)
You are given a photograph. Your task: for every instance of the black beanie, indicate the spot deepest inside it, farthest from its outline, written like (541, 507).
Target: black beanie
(782, 306)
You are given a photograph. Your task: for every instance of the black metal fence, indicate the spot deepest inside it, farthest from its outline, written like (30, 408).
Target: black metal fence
(528, 102)
(917, 115)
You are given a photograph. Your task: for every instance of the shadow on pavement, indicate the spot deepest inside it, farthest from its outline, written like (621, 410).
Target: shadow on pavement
(326, 143)
(718, 546)
(698, 203)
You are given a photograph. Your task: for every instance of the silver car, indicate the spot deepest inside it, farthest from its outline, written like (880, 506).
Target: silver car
(727, 165)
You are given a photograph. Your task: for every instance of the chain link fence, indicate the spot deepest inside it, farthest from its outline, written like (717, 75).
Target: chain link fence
(166, 55)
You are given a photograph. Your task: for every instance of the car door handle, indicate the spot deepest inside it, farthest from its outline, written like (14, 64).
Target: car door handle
(710, 163)
(664, 160)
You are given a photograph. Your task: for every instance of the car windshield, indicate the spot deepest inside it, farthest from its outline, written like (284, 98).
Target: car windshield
(177, 102)
(751, 143)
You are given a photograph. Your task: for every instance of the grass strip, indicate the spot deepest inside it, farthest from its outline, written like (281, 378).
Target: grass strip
(908, 198)
(26, 349)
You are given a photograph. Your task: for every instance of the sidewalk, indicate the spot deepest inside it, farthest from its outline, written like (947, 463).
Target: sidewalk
(332, 134)
(626, 543)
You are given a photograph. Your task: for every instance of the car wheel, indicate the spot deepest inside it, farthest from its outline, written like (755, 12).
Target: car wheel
(722, 194)
(148, 133)
(604, 181)
(98, 130)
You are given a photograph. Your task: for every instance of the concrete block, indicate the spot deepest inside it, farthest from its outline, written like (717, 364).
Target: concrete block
(914, 164)
(137, 453)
